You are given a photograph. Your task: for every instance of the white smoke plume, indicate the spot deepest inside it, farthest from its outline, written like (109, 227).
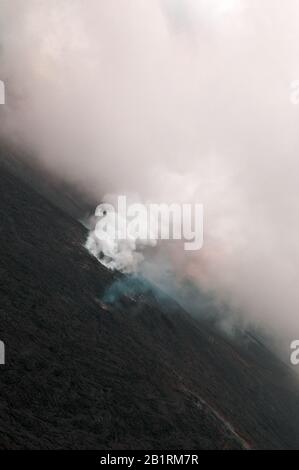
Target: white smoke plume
(112, 243)
(175, 100)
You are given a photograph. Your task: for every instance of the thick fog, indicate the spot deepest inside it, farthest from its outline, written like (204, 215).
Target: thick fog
(175, 101)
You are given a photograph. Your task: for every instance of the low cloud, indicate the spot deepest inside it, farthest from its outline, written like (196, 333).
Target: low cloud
(185, 101)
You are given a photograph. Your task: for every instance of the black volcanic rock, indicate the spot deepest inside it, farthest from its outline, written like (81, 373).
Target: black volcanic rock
(83, 372)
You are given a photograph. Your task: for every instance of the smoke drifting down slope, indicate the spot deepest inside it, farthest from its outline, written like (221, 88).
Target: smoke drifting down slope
(99, 360)
(175, 101)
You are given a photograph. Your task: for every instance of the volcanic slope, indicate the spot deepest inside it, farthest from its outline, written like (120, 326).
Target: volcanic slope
(98, 360)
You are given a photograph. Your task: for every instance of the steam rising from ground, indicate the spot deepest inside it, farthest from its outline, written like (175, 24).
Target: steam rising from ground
(176, 100)
(112, 242)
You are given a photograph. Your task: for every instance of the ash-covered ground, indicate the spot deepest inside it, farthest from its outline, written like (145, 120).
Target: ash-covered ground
(84, 371)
